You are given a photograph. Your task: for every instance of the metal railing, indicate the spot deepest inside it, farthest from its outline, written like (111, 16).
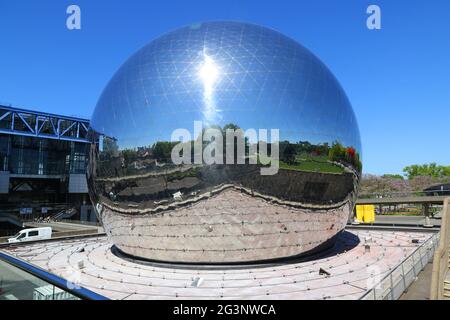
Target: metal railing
(29, 123)
(51, 279)
(63, 213)
(402, 194)
(394, 284)
(441, 257)
(84, 223)
(36, 209)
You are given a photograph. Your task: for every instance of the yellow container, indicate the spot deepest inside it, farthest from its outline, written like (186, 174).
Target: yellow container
(365, 213)
(369, 213)
(360, 213)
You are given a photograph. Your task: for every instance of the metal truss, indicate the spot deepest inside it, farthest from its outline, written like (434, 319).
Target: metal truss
(42, 125)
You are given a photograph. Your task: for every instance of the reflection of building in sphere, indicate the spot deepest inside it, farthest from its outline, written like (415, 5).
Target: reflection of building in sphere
(226, 75)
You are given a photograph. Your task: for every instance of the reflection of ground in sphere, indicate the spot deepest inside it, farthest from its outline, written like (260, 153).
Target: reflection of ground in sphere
(223, 75)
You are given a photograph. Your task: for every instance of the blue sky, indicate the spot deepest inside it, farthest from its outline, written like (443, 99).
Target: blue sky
(397, 78)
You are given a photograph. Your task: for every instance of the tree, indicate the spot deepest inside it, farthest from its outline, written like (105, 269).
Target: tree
(129, 155)
(430, 170)
(392, 176)
(288, 155)
(419, 183)
(337, 152)
(162, 150)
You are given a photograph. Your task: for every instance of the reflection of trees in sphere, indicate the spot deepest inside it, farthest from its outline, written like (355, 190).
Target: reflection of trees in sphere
(226, 75)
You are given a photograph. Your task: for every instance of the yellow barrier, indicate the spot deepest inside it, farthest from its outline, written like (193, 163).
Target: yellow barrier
(369, 213)
(365, 213)
(360, 213)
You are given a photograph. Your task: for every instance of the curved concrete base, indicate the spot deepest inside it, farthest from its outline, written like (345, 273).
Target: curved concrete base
(324, 249)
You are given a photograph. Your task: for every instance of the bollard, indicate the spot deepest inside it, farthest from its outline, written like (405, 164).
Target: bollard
(427, 223)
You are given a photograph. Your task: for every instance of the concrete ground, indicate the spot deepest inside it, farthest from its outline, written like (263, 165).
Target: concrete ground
(64, 226)
(414, 221)
(352, 269)
(420, 289)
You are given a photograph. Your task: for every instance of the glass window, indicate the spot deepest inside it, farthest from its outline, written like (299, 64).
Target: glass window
(24, 286)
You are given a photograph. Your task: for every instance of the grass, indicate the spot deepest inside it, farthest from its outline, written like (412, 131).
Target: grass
(310, 164)
(400, 214)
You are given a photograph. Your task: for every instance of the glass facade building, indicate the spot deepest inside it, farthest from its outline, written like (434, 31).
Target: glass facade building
(43, 160)
(24, 155)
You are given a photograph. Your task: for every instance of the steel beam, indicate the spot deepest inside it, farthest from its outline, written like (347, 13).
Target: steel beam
(8, 115)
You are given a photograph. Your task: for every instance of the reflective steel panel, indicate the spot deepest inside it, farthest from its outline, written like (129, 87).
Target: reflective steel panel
(169, 184)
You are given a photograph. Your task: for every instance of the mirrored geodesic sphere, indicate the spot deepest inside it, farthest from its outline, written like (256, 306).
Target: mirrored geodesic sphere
(223, 142)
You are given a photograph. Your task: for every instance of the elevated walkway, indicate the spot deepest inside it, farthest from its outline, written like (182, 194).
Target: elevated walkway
(29, 123)
(401, 200)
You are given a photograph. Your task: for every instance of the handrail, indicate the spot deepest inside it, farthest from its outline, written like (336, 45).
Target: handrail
(441, 256)
(57, 216)
(389, 194)
(399, 265)
(55, 280)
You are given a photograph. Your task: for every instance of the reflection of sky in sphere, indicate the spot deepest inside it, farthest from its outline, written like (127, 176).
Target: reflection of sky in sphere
(219, 73)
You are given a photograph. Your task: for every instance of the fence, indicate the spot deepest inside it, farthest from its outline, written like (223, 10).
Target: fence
(403, 194)
(394, 284)
(441, 257)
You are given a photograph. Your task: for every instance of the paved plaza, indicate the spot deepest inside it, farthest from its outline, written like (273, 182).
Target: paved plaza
(351, 268)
